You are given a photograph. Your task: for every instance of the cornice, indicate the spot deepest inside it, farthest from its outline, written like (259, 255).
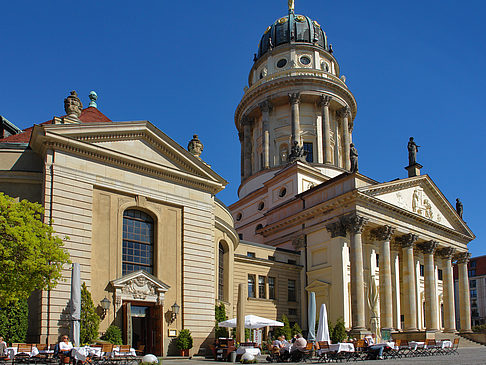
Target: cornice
(226, 228)
(266, 262)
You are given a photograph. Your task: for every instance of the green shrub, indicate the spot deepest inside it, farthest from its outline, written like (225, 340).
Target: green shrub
(480, 329)
(113, 335)
(338, 333)
(220, 316)
(296, 329)
(14, 321)
(90, 321)
(184, 340)
(285, 330)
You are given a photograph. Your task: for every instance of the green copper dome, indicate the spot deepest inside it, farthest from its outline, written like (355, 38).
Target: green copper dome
(292, 28)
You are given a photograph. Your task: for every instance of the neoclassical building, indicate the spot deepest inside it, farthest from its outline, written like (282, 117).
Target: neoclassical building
(301, 190)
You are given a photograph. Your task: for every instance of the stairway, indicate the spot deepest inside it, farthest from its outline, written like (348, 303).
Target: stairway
(463, 342)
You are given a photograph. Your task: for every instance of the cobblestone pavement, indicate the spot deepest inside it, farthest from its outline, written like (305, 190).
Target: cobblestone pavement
(466, 356)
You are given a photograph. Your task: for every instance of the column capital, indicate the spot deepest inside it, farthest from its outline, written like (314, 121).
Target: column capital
(429, 247)
(383, 233)
(407, 240)
(462, 257)
(324, 100)
(355, 223)
(294, 98)
(246, 121)
(266, 106)
(337, 229)
(298, 242)
(446, 252)
(344, 112)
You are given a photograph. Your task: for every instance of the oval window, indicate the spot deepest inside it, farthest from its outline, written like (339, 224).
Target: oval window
(305, 60)
(261, 205)
(282, 192)
(281, 63)
(238, 217)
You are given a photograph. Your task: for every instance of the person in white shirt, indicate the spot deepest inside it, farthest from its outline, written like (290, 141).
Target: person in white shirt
(3, 347)
(65, 346)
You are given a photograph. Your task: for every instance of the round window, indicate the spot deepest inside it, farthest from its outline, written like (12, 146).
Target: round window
(238, 217)
(282, 192)
(261, 205)
(305, 60)
(281, 63)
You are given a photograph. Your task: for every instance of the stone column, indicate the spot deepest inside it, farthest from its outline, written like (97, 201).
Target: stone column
(464, 300)
(355, 225)
(266, 107)
(395, 265)
(448, 289)
(326, 127)
(240, 312)
(344, 114)
(247, 146)
(294, 100)
(410, 305)
(242, 155)
(383, 235)
(431, 306)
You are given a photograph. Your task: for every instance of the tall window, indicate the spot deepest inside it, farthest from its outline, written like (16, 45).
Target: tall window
(310, 151)
(421, 270)
(251, 286)
(138, 242)
(291, 291)
(271, 287)
(261, 287)
(221, 272)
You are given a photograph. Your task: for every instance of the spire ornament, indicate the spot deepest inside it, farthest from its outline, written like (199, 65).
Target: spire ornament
(73, 106)
(291, 6)
(92, 97)
(195, 146)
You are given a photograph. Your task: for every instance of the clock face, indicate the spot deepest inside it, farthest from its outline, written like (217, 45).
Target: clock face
(281, 63)
(305, 60)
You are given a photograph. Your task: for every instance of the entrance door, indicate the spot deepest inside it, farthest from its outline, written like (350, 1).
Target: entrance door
(156, 328)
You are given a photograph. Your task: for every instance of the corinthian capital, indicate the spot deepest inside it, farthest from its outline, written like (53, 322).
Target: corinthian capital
(265, 106)
(383, 233)
(463, 257)
(337, 229)
(355, 223)
(447, 252)
(325, 100)
(246, 120)
(407, 240)
(294, 98)
(429, 247)
(344, 112)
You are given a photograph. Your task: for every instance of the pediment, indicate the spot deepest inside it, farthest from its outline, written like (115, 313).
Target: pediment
(419, 195)
(139, 285)
(318, 286)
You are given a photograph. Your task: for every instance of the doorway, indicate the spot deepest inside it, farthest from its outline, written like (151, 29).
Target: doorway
(140, 315)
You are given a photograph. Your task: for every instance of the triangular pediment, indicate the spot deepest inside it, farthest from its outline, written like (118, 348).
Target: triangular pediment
(141, 279)
(419, 195)
(317, 286)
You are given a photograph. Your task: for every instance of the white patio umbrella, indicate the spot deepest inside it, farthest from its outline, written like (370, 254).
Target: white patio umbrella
(323, 329)
(252, 322)
(76, 303)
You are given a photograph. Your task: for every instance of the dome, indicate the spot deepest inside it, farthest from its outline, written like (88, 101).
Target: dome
(292, 28)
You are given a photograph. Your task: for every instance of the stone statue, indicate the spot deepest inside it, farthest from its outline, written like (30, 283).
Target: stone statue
(412, 152)
(353, 156)
(459, 207)
(291, 5)
(195, 146)
(73, 106)
(297, 153)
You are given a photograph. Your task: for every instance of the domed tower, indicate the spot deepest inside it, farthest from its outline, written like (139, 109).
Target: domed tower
(296, 105)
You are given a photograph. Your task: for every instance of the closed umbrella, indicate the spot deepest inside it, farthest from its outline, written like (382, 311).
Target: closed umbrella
(311, 315)
(252, 322)
(76, 303)
(323, 329)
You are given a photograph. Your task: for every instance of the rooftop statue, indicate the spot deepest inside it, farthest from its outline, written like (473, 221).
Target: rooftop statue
(73, 106)
(195, 146)
(297, 153)
(353, 156)
(412, 152)
(459, 207)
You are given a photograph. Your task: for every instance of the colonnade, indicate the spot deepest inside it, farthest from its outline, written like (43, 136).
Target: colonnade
(408, 248)
(323, 134)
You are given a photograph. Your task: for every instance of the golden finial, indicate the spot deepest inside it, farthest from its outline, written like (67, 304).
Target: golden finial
(291, 6)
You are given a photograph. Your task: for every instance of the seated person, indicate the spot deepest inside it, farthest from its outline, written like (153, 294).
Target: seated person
(375, 352)
(298, 348)
(65, 347)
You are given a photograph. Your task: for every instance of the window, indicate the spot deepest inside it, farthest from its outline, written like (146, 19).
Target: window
(472, 284)
(271, 287)
(474, 293)
(282, 192)
(281, 63)
(292, 311)
(250, 254)
(138, 242)
(271, 258)
(283, 153)
(421, 270)
(292, 262)
(474, 304)
(240, 236)
(251, 286)
(291, 291)
(261, 205)
(471, 272)
(377, 260)
(309, 157)
(221, 273)
(305, 60)
(261, 287)
(238, 217)
(439, 274)
(258, 227)
(472, 264)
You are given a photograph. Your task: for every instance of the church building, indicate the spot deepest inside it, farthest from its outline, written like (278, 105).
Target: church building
(159, 250)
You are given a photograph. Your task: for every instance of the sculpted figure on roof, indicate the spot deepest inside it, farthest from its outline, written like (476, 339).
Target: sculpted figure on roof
(72, 105)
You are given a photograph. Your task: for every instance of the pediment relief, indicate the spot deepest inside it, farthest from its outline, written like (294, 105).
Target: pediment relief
(139, 285)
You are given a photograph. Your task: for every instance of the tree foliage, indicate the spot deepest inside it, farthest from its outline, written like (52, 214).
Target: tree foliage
(285, 330)
(14, 321)
(296, 329)
(338, 332)
(113, 335)
(90, 321)
(220, 316)
(184, 340)
(31, 256)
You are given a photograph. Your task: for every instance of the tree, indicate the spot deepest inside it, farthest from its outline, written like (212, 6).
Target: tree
(338, 334)
(285, 330)
(32, 257)
(220, 316)
(296, 329)
(184, 340)
(14, 321)
(113, 335)
(90, 321)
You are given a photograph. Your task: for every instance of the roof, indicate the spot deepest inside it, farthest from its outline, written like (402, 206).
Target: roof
(88, 115)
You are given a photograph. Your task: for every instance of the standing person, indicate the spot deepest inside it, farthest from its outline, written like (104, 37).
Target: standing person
(3, 347)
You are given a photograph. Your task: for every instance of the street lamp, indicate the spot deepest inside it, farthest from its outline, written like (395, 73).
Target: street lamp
(175, 311)
(105, 305)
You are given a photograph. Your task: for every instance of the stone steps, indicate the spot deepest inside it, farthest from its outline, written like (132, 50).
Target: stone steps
(463, 342)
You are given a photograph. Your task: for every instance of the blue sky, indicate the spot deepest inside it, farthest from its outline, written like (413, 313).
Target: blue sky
(416, 68)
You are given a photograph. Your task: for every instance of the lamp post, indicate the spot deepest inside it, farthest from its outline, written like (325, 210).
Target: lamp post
(105, 305)
(175, 311)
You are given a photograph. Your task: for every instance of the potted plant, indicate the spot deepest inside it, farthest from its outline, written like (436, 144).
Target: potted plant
(184, 342)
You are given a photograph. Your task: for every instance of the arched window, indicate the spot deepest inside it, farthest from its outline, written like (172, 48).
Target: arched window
(138, 242)
(283, 153)
(221, 272)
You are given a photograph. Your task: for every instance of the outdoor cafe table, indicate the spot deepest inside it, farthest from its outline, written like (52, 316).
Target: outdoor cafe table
(82, 353)
(338, 347)
(444, 344)
(255, 351)
(12, 351)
